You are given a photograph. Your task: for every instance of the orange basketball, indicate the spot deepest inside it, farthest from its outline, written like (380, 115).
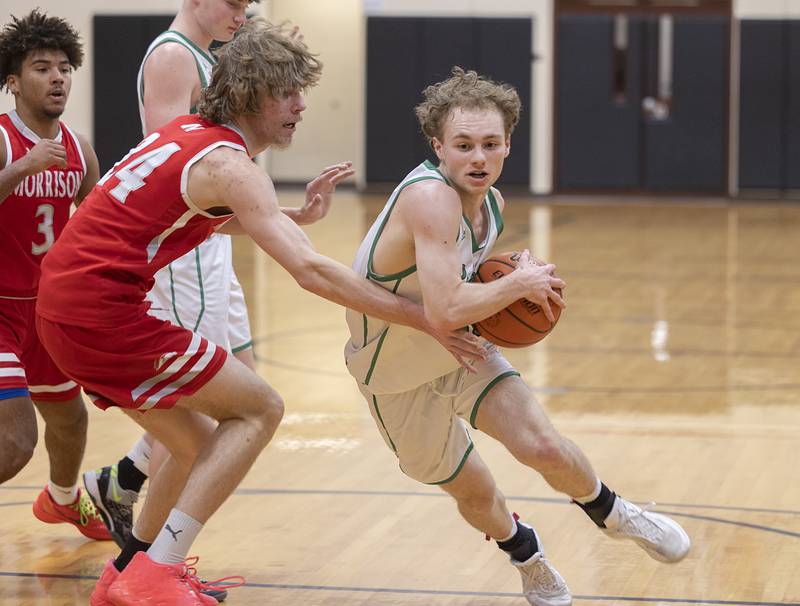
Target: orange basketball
(523, 322)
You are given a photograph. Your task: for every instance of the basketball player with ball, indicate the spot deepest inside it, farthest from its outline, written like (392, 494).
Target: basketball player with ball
(436, 229)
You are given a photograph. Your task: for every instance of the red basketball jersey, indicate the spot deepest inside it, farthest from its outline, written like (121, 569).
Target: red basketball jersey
(34, 214)
(136, 220)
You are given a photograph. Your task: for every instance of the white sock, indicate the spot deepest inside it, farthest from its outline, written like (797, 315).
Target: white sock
(140, 455)
(63, 495)
(514, 530)
(175, 539)
(592, 495)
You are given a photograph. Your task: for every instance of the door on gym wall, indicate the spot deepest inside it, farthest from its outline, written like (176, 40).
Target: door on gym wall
(642, 96)
(117, 127)
(406, 54)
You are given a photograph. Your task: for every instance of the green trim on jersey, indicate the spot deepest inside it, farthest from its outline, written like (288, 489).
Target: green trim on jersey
(186, 43)
(247, 345)
(380, 418)
(475, 247)
(202, 290)
(431, 166)
(409, 270)
(498, 216)
(458, 469)
(202, 293)
(492, 383)
(366, 332)
(375, 357)
(206, 55)
(491, 209)
(172, 293)
(380, 341)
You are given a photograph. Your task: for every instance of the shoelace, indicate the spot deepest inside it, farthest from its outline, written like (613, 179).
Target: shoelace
(539, 574)
(633, 517)
(223, 584)
(86, 509)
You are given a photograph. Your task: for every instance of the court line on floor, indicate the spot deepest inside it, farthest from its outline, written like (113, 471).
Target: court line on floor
(266, 491)
(412, 493)
(761, 527)
(435, 592)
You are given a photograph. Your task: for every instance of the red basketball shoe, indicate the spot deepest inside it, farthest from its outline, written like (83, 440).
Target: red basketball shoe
(80, 514)
(99, 596)
(145, 582)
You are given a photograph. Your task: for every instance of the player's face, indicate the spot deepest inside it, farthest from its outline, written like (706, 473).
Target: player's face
(221, 18)
(44, 82)
(473, 148)
(280, 118)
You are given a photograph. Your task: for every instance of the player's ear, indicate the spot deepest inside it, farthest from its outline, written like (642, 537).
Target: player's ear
(437, 147)
(508, 146)
(12, 83)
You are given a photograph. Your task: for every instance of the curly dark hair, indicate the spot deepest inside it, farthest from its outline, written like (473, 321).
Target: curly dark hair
(36, 31)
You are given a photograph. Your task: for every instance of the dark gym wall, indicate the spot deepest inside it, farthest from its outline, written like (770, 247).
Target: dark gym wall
(406, 54)
(689, 151)
(597, 135)
(119, 46)
(769, 113)
(605, 141)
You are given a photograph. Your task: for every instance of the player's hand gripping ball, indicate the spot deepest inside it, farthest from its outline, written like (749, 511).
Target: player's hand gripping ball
(523, 322)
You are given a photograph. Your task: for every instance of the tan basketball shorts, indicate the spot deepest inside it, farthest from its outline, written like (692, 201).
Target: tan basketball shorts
(427, 427)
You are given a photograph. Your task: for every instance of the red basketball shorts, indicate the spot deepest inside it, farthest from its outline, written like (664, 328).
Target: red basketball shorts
(143, 364)
(26, 369)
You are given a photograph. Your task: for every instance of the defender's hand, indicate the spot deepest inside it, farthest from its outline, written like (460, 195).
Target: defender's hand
(319, 193)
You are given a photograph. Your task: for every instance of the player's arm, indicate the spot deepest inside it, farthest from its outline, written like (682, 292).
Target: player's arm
(431, 211)
(227, 177)
(319, 195)
(44, 154)
(92, 169)
(170, 78)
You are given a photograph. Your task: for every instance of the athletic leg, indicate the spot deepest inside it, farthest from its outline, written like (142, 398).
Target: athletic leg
(510, 414)
(65, 437)
(248, 412)
(18, 435)
(483, 506)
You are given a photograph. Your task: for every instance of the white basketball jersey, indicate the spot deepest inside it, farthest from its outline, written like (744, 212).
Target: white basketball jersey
(203, 59)
(390, 358)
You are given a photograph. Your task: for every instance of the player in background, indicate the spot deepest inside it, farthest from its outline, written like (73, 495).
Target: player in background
(420, 400)
(44, 168)
(199, 291)
(156, 204)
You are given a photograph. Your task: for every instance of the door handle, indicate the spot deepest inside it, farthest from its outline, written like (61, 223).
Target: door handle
(655, 110)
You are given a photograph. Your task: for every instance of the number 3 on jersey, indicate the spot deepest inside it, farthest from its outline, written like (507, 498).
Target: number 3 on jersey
(131, 177)
(45, 211)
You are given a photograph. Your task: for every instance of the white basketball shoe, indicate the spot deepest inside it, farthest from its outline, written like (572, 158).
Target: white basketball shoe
(541, 583)
(661, 537)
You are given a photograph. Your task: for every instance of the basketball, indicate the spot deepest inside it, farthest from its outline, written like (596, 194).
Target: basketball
(523, 322)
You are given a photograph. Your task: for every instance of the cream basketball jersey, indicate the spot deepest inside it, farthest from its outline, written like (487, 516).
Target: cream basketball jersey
(390, 358)
(203, 59)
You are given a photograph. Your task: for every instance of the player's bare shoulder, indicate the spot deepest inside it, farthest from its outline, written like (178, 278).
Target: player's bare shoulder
(429, 200)
(219, 174)
(169, 55)
(172, 65)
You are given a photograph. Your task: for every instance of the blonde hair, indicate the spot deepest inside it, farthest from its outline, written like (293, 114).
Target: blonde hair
(466, 90)
(260, 60)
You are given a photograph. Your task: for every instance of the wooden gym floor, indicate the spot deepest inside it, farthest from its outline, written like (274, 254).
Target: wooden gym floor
(675, 367)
